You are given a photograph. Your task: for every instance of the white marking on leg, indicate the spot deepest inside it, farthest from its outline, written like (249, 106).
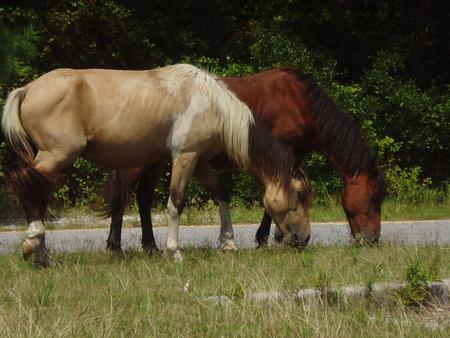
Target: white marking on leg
(35, 228)
(35, 243)
(226, 237)
(172, 231)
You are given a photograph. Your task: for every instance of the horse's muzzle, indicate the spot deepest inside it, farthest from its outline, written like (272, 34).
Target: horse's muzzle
(295, 240)
(362, 240)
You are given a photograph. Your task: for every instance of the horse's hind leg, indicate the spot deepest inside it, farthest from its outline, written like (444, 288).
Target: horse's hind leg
(144, 193)
(208, 178)
(117, 193)
(34, 186)
(182, 169)
(34, 190)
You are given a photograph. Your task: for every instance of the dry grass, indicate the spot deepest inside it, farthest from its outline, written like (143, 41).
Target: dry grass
(98, 294)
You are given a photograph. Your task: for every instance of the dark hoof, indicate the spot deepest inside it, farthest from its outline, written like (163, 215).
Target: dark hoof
(151, 249)
(43, 263)
(113, 247)
(262, 242)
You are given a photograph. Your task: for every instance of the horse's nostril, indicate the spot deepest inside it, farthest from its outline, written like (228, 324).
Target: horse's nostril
(307, 239)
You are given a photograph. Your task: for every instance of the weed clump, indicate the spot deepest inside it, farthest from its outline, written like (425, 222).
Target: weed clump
(417, 276)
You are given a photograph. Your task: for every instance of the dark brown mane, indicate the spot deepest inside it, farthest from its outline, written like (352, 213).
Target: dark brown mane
(340, 136)
(337, 132)
(270, 156)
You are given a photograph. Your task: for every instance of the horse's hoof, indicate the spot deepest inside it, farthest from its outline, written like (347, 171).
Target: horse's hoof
(152, 251)
(262, 242)
(114, 248)
(44, 261)
(28, 248)
(43, 257)
(36, 245)
(174, 254)
(228, 245)
(177, 257)
(117, 252)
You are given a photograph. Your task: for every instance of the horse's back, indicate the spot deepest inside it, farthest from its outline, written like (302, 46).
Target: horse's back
(277, 97)
(125, 118)
(91, 96)
(102, 109)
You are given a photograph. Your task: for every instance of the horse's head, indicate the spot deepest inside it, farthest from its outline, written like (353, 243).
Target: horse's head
(362, 201)
(291, 213)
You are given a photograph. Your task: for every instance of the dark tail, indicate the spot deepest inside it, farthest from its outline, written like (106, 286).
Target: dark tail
(33, 188)
(117, 192)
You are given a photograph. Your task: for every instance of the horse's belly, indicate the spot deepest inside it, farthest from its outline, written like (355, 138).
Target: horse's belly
(125, 147)
(122, 156)
(129, 141)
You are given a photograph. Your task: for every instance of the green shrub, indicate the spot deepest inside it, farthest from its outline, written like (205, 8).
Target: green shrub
(394, 82)
(417, 277)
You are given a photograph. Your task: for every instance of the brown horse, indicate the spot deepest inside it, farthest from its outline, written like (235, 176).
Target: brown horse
(123, 119)
(304, 118)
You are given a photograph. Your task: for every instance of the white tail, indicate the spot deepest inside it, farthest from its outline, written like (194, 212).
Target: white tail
(12, 127)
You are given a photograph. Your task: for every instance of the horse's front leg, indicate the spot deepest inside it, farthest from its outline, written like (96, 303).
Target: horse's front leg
(182, 169)
(263, 232)
(208, 179)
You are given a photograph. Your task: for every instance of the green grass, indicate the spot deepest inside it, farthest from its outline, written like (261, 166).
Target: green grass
(99, 294)
(331, 211)
(400, 210)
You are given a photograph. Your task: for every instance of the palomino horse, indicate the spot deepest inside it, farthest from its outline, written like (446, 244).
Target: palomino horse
(305, 119)
(123, 119)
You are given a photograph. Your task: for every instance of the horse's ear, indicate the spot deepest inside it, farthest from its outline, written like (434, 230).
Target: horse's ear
(301, 184)
(378, 184)
(299, 173)
(302, 178)
(297, 184)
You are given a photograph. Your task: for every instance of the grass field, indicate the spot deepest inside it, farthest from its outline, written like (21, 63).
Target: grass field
(209, 214)
(99, 294)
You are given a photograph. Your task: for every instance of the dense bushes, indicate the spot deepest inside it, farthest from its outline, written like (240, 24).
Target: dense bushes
(379, 60)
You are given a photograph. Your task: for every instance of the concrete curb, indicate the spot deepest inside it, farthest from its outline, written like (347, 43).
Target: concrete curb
(439, 292)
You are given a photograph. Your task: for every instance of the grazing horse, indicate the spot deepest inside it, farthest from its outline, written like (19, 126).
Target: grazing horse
(124, 119)
(301, 116)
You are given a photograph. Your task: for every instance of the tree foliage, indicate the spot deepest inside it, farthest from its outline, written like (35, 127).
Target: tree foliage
(385, 62)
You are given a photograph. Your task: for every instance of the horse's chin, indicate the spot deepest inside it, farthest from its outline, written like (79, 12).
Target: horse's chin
(297, 244)
(291, 239)
(361, 239)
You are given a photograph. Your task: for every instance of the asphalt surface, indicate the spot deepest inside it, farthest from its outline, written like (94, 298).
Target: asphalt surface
(407, 233)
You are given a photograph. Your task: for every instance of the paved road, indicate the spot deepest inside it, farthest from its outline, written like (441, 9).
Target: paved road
(410, 233)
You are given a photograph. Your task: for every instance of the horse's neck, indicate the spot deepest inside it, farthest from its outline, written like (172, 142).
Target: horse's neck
(347, 174)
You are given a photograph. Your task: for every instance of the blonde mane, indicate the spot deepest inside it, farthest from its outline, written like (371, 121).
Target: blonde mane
(235, 117)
